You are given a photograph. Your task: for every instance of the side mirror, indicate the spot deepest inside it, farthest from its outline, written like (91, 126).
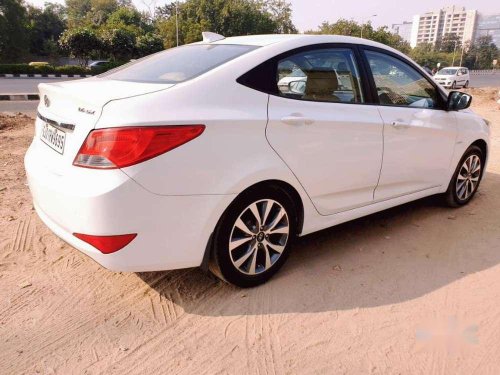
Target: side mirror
(297, 87)
(458, 100)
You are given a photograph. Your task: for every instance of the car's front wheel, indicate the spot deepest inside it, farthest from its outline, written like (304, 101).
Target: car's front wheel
(253, 238)
(454, 85)
(466, 179)
(466, 84)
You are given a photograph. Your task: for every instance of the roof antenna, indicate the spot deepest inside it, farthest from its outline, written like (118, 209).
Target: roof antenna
(210, 37)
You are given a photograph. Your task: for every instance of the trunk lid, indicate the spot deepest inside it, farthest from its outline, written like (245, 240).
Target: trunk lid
(68, 111)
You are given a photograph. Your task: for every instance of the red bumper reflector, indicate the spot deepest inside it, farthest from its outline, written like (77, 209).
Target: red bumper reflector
(107, 244)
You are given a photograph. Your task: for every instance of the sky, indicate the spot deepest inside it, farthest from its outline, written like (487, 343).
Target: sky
(308, 14)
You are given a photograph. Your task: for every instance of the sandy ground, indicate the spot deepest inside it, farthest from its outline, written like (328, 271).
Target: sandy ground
(415, 289)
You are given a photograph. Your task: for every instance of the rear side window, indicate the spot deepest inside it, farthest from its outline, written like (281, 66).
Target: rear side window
(178, 64)
(325, 75)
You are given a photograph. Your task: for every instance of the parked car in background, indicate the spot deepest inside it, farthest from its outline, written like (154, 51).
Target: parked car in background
(38, 63)
(198, 156)
(292, 81)
(453, 77)
(98, 64)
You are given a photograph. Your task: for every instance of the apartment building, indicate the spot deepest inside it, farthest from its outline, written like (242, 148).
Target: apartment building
(403, 30)
(432, 26)
(488, 25)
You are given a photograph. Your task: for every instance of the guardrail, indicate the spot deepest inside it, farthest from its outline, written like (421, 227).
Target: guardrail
(485, 72)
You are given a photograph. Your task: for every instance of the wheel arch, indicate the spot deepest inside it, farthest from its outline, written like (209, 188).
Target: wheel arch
(481, 143)
(285, 187)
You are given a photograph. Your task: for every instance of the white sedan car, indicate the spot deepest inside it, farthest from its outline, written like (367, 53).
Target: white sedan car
(194, 156)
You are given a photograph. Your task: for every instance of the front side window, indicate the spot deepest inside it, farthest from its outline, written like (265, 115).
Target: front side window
(325, 75)
(399, 84)
(178, 64)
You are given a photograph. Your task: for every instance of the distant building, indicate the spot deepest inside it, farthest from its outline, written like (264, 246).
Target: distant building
(488, 25)
(432, 26)
(403, 30)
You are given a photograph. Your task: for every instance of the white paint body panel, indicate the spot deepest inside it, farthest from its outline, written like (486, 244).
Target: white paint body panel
(174, 201)
(418, 147)
(344, 144)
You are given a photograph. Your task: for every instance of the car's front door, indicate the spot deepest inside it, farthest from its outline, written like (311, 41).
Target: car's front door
(419, 135)
(321, 128)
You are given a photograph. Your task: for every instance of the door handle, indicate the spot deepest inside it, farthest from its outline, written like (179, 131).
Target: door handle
(297, 119)
(399, 125)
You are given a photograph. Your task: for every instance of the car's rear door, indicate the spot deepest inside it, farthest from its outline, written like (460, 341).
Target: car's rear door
(323, 128)
(419, 135)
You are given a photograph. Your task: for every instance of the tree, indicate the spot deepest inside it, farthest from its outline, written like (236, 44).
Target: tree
(449, 43)
(281, 14)
(14, 41)
(352, 28)
(119, 43)
(45, 26)
(101, 10)
(148, 44)
(128, 19)
(77, 11)
(226, 17)
(482, 53)
(80, 43)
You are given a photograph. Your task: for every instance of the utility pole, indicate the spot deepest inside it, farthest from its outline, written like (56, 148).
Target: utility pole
(462, 54)
(177, 22)
(454, 49)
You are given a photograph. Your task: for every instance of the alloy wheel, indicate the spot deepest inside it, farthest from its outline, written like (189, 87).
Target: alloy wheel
(468, 177)
(259, 237)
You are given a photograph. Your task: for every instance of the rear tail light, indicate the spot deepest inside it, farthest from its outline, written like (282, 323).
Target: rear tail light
(107, 244)
(122, 147)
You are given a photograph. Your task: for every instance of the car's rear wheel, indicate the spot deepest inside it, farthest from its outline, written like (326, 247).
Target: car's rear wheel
(466, 179)
(253, 238)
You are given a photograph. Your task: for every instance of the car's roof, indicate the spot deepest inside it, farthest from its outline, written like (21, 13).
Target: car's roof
(265, 40)
(454, 67)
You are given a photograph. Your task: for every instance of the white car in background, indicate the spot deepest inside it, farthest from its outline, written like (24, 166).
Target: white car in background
(453, 77)
(196, 156)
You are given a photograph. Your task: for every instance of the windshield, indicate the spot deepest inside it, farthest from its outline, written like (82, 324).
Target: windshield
(177, 64)
(447, 72)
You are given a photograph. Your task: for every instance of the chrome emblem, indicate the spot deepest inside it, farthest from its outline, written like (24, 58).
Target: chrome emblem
(46, 101)
(87, 111)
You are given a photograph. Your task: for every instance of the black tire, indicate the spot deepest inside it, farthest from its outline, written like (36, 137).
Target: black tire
(221, 263)
(451, 196)
(466, 84)
(454, 85)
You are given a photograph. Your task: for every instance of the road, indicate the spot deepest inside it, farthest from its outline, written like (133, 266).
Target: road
(29, 85)
(26, 107)
(26, 85)
(487, 80)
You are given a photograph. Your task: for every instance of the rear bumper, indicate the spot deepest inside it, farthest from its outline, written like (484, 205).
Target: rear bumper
(172, 231)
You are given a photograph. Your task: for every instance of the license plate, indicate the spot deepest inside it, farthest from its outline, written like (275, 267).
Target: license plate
(53, 137)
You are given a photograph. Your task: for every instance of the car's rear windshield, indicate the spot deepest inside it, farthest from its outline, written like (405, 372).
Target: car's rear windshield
(178, 64)
(447, 72)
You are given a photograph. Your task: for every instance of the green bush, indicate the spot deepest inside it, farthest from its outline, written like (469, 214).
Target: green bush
(49, 69)
(43, 69)
(71, 69)
(16, 69)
